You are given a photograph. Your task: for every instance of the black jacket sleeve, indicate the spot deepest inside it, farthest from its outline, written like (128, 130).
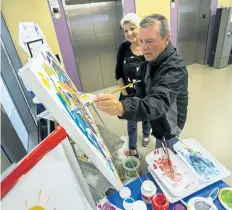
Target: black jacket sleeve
(140, 86)
(160, 98)
(119, 62)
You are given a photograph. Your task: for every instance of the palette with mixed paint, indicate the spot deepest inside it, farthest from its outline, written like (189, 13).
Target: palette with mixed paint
(225, 197)
(204, 164)
(177, 177)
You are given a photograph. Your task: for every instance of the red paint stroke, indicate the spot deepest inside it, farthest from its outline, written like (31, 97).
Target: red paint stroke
(24, 166)
(168, 169)
(154, 166)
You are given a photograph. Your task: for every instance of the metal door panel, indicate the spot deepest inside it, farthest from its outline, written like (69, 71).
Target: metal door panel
(13, 85)
(10, 141)
(5, 162)
(202, 32)
(105, 25)
(224, 39)
(13, 56)
(228, 34)
(108, 65)
(91, 77)
(187, 29)
(94, 30)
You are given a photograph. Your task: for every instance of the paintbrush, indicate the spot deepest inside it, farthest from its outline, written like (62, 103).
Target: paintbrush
(192, 150)
(124, 87)
(169, 159)
(114, 91)
(163, 147)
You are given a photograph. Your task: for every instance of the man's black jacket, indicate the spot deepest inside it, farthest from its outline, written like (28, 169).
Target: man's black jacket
(162, 95)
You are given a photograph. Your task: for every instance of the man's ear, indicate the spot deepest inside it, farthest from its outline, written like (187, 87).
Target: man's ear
(167, 38)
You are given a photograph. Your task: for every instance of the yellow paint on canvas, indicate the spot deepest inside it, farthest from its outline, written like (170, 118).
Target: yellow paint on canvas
(44, 80)
(38, 206)
(48, 69)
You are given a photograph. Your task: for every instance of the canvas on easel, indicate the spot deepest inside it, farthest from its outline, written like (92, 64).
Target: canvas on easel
(44, 75)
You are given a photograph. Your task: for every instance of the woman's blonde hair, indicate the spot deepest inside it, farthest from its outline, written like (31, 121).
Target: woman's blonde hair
(130, 18)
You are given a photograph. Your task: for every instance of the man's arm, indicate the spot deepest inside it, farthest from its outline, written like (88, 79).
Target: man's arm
(159, 100)
(157, 103)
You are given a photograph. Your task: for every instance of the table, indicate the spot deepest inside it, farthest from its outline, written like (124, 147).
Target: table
(135, 187)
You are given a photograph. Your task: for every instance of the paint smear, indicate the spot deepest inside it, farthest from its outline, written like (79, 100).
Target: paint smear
(203, 166)
(226, 197)
(169, 170)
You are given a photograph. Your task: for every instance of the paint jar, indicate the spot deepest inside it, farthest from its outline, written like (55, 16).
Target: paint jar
(131, 165)
(128, 203)
(178, 207)
(160, 202)
(148, 191)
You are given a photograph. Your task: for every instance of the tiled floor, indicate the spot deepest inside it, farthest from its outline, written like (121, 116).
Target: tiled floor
(209, 114)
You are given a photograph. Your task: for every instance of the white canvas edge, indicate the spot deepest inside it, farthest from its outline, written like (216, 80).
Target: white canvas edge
(77, 171)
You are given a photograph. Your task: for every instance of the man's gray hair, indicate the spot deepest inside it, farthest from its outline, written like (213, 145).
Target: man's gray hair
(151, 19)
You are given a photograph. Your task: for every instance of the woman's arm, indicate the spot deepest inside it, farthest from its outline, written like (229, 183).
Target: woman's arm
(119, 68)
(121, 84)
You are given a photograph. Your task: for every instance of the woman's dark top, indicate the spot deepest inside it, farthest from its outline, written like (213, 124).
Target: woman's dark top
(127, 65)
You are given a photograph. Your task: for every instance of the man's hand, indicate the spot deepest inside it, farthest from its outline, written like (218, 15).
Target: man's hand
(109, 104)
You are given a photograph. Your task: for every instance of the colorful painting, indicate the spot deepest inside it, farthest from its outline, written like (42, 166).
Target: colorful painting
(48, 80)
(202, 165)
(225, 197)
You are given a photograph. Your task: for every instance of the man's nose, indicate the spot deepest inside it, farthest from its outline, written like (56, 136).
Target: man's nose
(144, 47)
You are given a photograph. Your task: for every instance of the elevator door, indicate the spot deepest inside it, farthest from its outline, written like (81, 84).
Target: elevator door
(193, 23)
(95, 33)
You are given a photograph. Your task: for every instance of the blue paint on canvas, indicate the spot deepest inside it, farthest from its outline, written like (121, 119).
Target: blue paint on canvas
(77, 116)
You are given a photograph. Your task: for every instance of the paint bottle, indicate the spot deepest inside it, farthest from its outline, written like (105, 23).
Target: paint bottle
(160, 202)
(148, 191)
(128, 203)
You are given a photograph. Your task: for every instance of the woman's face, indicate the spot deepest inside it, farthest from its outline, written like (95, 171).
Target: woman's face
(131, 32)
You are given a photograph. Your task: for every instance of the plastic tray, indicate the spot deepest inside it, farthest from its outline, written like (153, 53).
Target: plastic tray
(207, 167)
(176, 187)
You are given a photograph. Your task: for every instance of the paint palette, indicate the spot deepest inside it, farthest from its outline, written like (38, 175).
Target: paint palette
(205, 165)
(183, 178)
(225, 197)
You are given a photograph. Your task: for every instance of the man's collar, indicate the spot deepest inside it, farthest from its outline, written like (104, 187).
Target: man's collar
(163, 56)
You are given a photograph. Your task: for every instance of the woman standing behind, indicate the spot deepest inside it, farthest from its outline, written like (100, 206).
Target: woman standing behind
(128, 62)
